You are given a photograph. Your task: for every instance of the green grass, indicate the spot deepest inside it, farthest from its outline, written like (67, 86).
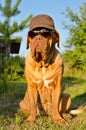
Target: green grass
(12, 119)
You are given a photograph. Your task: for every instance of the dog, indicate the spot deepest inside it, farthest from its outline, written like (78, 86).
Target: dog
(44, 71)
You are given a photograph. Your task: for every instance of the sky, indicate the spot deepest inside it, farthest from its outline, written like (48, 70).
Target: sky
(54, 8)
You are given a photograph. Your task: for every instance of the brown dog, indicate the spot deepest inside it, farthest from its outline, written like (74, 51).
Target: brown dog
(43, 72)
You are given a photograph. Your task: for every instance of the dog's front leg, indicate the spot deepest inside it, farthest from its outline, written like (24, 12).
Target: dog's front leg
(33, 103)
(56, 96)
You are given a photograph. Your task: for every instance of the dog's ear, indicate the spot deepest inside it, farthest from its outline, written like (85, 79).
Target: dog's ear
(27, 42)
(57, 37)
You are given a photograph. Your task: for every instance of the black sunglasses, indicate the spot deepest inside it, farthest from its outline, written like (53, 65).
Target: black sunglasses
(43, 32)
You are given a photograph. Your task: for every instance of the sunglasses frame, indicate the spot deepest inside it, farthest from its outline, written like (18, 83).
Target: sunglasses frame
(43, 32)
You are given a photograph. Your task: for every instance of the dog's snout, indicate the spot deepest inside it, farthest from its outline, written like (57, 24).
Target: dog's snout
(38, 38)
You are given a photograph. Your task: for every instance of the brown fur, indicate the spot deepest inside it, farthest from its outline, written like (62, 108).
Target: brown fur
(43, 72)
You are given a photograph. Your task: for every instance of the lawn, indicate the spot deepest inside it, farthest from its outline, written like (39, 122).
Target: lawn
(12, 119)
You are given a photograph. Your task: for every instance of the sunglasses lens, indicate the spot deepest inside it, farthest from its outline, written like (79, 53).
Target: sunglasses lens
(31, 34)
(46, 33)
(43, 32)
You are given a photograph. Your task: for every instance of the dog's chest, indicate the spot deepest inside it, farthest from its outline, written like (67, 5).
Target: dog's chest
(46, 77)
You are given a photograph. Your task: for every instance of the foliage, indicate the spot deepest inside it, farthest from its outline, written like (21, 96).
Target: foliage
(76, 42)
(4, 83)
(8, 12)
(13, 68)
(7, 26)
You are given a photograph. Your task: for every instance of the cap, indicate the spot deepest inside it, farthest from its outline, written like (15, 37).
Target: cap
(41, 20)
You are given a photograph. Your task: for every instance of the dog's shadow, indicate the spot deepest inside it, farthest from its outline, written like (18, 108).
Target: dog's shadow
(70, 81)
(79, 101)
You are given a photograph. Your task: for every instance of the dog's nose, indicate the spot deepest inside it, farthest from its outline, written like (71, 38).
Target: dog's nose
(38, 37)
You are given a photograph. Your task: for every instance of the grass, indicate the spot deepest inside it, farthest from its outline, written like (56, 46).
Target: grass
(12, 119)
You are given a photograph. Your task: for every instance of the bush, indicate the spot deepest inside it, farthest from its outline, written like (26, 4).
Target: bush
(12, 68)
(4, 84)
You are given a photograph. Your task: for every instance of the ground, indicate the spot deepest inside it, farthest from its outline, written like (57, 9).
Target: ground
(12, 119)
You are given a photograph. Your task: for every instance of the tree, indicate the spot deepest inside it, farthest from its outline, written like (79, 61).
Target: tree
(76, 42)
(14, 68)
(7, 11)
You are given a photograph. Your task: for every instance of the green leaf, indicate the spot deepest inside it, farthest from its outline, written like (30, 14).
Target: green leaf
(24, 23)
(15, 10)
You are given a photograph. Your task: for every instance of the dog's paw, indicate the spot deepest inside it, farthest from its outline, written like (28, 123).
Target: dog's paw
(30, 119)
(66, 116)
(59, 120)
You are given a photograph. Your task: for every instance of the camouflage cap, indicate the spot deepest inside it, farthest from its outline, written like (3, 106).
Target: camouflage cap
(41, 20)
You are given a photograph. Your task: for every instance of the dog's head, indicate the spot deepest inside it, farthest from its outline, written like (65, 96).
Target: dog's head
(42, 37)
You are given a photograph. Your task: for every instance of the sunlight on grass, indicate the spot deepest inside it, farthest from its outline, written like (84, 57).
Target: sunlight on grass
(12, 119)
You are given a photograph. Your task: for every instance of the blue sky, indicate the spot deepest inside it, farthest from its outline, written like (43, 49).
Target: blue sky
(50, 7)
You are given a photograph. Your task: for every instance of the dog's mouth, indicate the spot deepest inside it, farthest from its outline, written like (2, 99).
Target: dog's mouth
(38, 56)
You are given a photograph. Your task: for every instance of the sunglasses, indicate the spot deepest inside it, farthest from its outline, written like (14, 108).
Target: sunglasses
(43, 32)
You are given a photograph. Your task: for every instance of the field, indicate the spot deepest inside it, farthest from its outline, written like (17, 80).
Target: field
(12, 119)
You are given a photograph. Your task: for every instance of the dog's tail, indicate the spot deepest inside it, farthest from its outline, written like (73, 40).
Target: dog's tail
(77, 111)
